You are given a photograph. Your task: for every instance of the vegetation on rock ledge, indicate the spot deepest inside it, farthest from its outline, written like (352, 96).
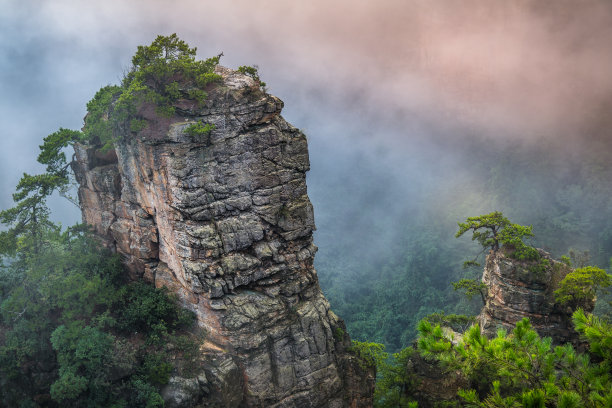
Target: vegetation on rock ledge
(161, 74)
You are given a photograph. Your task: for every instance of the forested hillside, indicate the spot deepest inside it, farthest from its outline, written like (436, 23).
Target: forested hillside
(396, 266)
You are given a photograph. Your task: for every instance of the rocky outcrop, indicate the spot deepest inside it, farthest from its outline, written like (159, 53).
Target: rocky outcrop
(431, 384)
(224, 220)
(518, 289)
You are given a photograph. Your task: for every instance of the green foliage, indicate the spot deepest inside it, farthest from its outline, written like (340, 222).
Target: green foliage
(145, 395)
(68, 307)
(579, 287)
(28, 220)
(151, 310)
(165, 71)
(199, 129)
(566, 260)
(187, 347)
(569, 399)
(485, 229)
(169, 60)
(339, 334)
(81, 348)
(83, 355)
(540, 267)
(68, 387)
(59, 282)
(392, 375)
(525, 253)
(512, 237)
(51, 151)
(30, 216)
(394, 382)
(161, 74)
(157, 370)
(494, 230)
(198, 95)
(596, 331)
(64, 310)
(97, 122)
(454, 321)
(370, 354)
(253, 72)
(471, 287)
(521, 369)
(136, 125)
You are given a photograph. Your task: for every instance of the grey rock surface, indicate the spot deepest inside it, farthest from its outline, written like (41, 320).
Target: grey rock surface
(225, 222)
(518, 289)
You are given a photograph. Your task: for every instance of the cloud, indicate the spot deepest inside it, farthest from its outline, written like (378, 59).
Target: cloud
(390, 79)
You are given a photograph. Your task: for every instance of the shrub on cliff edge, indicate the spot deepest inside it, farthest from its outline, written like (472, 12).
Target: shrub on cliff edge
(161, 73)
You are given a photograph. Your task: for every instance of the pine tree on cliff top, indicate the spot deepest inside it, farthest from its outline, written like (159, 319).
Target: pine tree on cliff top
(494, 231)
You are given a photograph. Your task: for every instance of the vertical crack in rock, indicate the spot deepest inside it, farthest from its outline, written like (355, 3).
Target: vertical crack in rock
(225, 222)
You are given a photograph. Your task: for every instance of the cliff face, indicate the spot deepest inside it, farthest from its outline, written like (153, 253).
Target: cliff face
(518, 289)
(225, 222)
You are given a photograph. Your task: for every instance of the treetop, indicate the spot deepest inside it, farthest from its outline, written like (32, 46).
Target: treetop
(493, 231)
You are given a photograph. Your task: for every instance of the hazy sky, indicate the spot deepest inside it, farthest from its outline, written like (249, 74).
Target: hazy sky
(385, 84)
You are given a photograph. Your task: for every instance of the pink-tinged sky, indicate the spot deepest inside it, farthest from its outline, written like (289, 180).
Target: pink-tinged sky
(395, 72)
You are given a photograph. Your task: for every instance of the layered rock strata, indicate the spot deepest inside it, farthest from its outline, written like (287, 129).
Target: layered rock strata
(518, 289)
(224, 221)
